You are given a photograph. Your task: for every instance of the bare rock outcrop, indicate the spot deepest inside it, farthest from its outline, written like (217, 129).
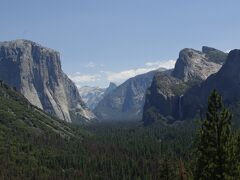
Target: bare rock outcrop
(165, 97)
(36, 72)
(193, 65)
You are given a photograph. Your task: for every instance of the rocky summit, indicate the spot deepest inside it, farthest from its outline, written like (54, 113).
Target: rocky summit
(164, 99)
(195, 66)
(226, 81)
(36, 72)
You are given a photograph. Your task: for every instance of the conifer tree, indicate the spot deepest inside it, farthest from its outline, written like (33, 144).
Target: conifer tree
(235, 156)
(182, 175)
(167, 170)
(213, 156)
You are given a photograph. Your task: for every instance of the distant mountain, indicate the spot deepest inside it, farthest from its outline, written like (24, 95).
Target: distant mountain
(93, 95)
(36, 72)
(164, 97)
(112, 86)
(126, 101)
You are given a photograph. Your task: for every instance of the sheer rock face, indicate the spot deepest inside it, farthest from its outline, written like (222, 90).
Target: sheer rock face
(126, 101)
(193, 65)
(226, 81)
(164, 99)
(36, 72)
(112, 86)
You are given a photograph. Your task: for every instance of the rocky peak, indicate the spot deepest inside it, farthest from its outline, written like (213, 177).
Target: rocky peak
(195, 66)
(232, 64)
(226, 81)
(27, 44)
(112, 85)
(214, 55)
(36, 72)
(206, 49)
(110, 88)
(170, 96)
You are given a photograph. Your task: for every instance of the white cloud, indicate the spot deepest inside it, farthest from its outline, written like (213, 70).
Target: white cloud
(90, 65)
(228, 51)
(126, 74)
(102, 78)
(85, 78)
(169, 64)
(93, 65)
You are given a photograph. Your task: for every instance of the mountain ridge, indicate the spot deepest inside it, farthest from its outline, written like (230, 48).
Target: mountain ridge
(126, 101)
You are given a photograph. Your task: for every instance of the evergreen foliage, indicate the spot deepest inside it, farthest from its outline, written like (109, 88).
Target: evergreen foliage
(34, 145)
(214, 145)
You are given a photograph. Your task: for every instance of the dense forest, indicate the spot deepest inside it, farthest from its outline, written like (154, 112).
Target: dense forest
(36, 146)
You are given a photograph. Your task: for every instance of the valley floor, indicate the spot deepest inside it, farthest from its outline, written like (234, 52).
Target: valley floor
(107, 151)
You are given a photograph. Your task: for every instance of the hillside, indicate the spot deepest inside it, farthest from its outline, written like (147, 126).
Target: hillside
(30, 140)
(36, 146)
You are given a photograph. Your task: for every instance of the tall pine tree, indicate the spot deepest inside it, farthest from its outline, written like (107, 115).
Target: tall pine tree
(213, 150)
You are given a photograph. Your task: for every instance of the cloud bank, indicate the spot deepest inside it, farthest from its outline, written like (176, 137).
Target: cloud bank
(103, 78)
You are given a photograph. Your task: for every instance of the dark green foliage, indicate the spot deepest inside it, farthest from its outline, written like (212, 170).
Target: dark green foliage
(167, 170)
(214, 145)
(30, 140)
(137, 152)
(36, 146)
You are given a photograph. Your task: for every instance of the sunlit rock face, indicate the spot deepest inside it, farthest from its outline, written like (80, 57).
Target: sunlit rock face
(166, 97)
(193, 65)
(226, 81)
(36, 72)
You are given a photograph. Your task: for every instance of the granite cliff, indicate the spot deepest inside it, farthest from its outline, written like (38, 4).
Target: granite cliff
(36, 72)
(164, 99)
(226, 81)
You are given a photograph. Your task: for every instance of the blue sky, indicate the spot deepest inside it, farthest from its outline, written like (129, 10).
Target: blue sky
(111, 40)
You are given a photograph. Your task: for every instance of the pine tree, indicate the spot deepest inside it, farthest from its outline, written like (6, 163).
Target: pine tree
(235, 149)
(213, 156)
(182, 174)
(167, 170)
